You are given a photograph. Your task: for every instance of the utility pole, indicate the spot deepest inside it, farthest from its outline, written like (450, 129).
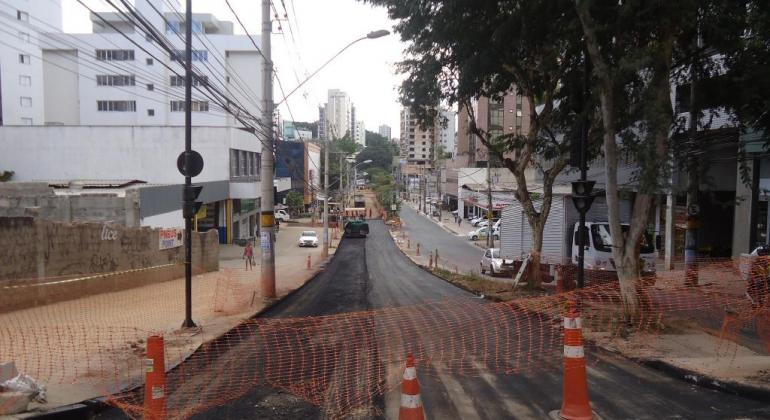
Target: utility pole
(490, 239)
(693, 180)
(188, 194)
(267, 233)
(326, 200)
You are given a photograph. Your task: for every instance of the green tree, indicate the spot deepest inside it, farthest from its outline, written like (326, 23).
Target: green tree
(6, 176)
(371, 137)
(380, 151)
(295, 201)
(460, 51)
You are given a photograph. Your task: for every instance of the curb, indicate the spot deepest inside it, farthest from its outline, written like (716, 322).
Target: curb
(696, 378)
(706, 381)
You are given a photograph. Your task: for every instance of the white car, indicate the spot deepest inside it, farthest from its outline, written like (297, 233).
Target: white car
(308, 238)
(492, 262)
(476, 220)
(482, 233)
(282, 215)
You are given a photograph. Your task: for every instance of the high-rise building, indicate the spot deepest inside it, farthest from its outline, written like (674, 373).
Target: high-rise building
(446, 130)
(103, 78)
(505, 116)
(338, 110)
(417, 144)
(323, 123)
(360, 133)
(384, 131)
(21, 64)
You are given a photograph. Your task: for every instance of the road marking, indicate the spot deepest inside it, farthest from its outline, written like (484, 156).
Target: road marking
(460, 399)
(511, 405)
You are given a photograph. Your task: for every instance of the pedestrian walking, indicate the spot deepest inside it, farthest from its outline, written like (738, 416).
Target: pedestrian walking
(248, 255)
(459, 221)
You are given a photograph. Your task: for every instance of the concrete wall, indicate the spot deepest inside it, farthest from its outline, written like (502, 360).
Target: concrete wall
(38, 199)
(37, 255)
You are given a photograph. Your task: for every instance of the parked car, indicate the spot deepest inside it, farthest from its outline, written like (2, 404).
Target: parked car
(485, 222)
(282, 215)
(493, 263)
(476, 220)
(496, 226)
(481, 233)
(308, 238)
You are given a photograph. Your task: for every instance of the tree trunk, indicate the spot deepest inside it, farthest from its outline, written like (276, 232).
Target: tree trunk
(535, 277)
(628, 275)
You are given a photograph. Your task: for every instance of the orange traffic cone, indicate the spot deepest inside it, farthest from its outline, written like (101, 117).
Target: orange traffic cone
(575, 405)
(155, 380)
(308, 262)
(411, 404)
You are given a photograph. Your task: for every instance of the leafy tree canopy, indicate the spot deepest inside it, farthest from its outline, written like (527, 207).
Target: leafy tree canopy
(380, 151)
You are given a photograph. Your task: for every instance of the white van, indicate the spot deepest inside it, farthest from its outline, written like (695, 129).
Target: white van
(282, 215)
(598, 251)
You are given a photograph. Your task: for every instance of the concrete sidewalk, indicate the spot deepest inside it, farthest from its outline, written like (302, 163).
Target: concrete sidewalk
(85, 348)
(447, 222)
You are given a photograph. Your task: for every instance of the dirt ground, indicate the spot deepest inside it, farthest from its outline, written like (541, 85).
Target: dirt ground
(94, 346)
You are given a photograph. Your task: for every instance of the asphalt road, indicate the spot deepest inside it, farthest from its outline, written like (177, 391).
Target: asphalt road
(372, 273)
(455, 249)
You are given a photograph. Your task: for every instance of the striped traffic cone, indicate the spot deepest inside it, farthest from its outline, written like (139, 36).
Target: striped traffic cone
(411, 404)
(155, 380)
(575, 405)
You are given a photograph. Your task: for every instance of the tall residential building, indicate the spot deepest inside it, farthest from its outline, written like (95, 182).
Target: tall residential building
(498, 117)
(102, 78)
(360, 133)
(338, 113)
(447, 130)
(21, 64)
(385, 131)
(323, 123)
(417, 144)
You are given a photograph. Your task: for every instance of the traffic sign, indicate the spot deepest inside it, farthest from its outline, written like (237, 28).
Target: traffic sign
(196, 164)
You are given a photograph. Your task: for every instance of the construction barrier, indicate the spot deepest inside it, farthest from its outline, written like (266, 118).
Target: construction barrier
(411, 403)
(575, 403)
(155, 380)
(338, 362)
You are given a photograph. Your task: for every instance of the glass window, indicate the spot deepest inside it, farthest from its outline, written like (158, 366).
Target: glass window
(150, 112)
(116, 106)
(22, 16)
(115, 55)
(495, 253)
(25, 80)
(600, 235)
(24, 58)
(25, 101)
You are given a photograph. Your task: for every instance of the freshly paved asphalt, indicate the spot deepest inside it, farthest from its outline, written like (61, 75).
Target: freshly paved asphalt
(456, 250)
(373, 273)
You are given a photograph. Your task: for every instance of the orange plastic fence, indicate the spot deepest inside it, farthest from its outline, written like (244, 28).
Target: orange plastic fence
(346, 361)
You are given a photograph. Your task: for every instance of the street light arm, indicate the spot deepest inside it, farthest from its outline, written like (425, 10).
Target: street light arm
(370, 35)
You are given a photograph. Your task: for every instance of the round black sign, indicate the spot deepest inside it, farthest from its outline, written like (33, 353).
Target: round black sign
(196, 164)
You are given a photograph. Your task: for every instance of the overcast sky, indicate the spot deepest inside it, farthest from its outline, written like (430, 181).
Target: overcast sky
(365, 71)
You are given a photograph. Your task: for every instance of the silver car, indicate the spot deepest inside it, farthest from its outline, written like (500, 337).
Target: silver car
(492, 262)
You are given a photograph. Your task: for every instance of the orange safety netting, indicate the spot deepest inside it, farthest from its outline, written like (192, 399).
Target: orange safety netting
(96, 345)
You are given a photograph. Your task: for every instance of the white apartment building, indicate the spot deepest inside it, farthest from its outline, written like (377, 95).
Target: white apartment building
(21, 66)
(385, 131)
(447, 130)
(115, 110)
(338, 113)
(359, 135)
(102, 78)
